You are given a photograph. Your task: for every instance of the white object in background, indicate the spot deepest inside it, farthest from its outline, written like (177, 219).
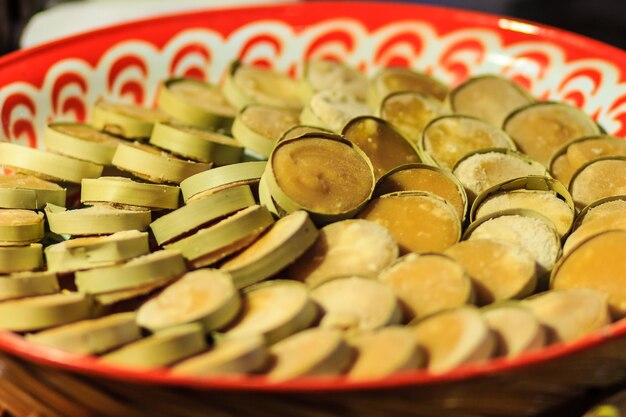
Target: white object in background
(76, 17)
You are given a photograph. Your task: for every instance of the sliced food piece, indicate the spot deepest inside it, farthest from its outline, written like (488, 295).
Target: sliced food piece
(93, 336)
(225, 237)
(283, 243)
(21, 191)
(355, 304)
(109, 301)
(231, 355)
(569, 314)
(609, 221)
(427, 284)
(541, 194)
(320, 74)
(46, 165)
(583, 150)
(598, 263)
(454, 337)
(599, 179)
(217, 179)
(325, 175)
(384, 352)
(81, 141)
(421, 177)
(274, 309)
(516, 328)
(382, 143)
(137, 272)
(486, 168)
(600, 208)
(201, 212)
(130, 121)
(410, 112)
(332, 109)
(258, 127)
(196, 103)
(524, 228)
(96, 220)
(301, 130)
(246, 84)
(21, 258)
(311, 352)
(447, 139)
(96, 251)
(419, 221)
(560, 168)
(35, 313)
(499, 270)
(207, 296)
(20, 227)
(349, 247)
(392, 79)
(162, 348)
(154, 165)
(540, 129)
(28, 284)
(195, 143)
(488, 97)
(125, 193)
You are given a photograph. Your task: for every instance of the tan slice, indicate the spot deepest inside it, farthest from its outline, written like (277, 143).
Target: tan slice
(585, 150)
(349, 247)
(90, 337)
(489, 97)
(20, 191)
(28, 284)
(21, 258)
(207, 296)
(126, 193)
(595, 212)
(258, 127)
(356, 304)
(540, 129)
(384, 145)
(499, 270)
(322, 74)
(610, 221)
(301, 130)
(420, 177)
(569, 314)
(130, 121)
(231, 355)
(393, 79)
(449, 138)
(562, 169)
(598, 263)
(482, 170)
(420, 222)
(313, 352)
(410, 112)
(217, 179)
(275, 310)
(81, 141)
(384, 352)
(545, 202)
(427, 284)
(453, 338)
(332, 109)
(537, 236)
(516, 328)
(599, 179)
(96, 220)
(20, 227)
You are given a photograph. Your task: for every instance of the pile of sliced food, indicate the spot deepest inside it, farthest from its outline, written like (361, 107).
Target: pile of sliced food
(327, 225)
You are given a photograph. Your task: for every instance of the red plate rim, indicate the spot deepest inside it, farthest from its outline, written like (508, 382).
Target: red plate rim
(18, 346)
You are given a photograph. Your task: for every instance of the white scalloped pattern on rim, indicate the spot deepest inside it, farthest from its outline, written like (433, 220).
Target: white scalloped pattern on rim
(130, 70)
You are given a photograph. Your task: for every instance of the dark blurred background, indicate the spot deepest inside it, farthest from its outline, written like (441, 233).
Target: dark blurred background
(599, 19)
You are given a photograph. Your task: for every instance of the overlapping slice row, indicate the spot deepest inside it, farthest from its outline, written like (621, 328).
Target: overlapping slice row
(385, 167)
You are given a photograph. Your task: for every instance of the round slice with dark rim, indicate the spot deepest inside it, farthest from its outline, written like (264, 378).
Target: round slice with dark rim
(258, 127)
(516, 327)
(130, 121)
(385, 147)
(392, 79)
(540, 129)
(598, 179)
(454, 337)
(422, 177)
(499, 270)
(447, 139)
(332, 109)
(481, 170)
(569, 314)
(410, 112)
(348, 247)
(274, 310)
(419, 221)
(355, 304)
(488, 97)
(81, 141)
(427, 284)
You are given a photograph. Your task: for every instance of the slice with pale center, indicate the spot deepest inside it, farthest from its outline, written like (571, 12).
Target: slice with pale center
(321, 74)
(332, 109)
(516, 327)
(393, 79)
(258, 127)
(20, 227)
(81, 141)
